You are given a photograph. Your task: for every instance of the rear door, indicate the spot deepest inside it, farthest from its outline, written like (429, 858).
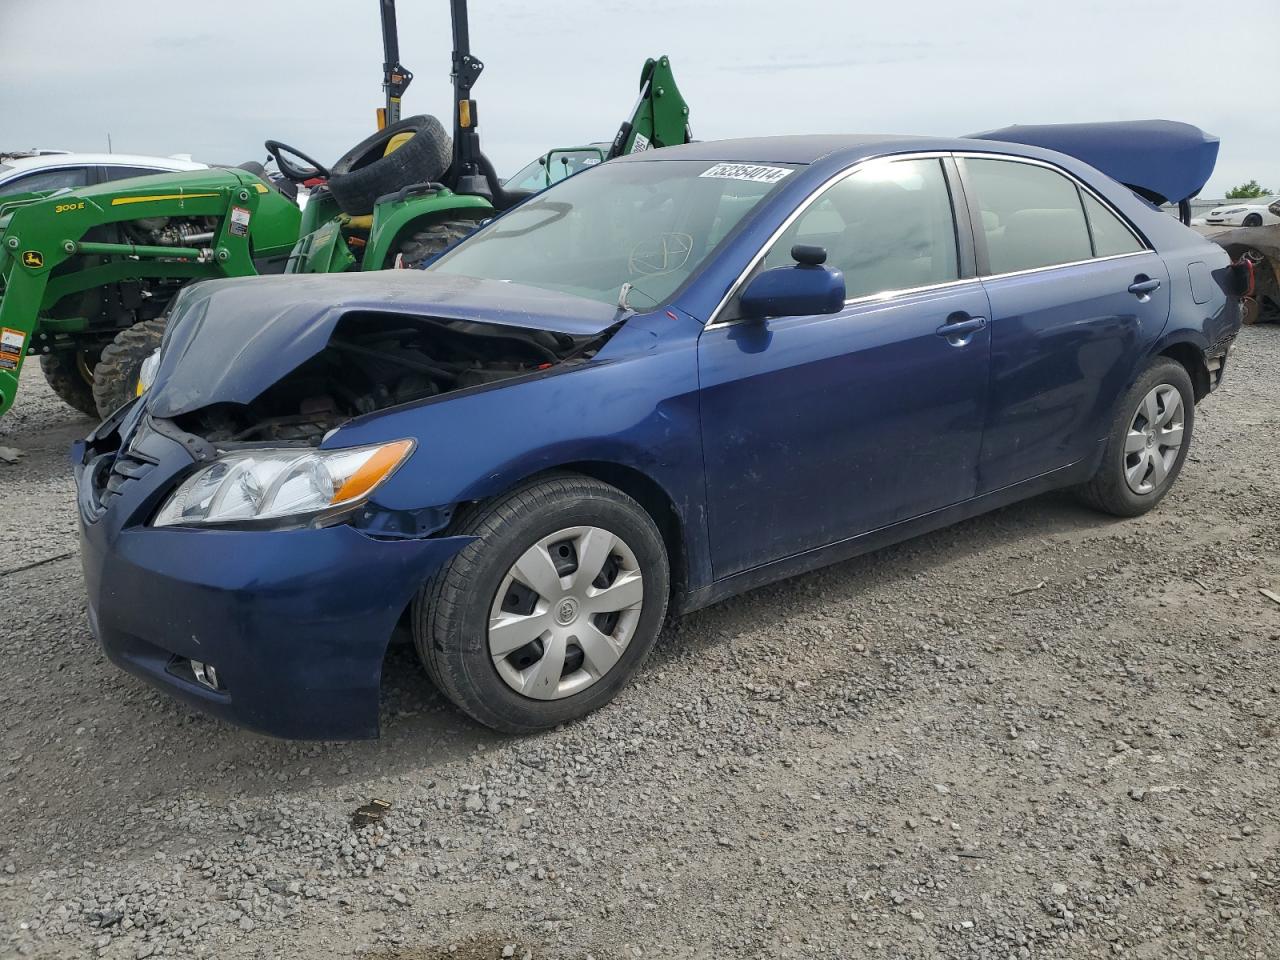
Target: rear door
(819, 428)
(1075, 296)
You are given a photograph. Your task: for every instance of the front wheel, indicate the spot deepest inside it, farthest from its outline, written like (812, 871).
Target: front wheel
(1148, 442)
(1252, 220)
(550, 610)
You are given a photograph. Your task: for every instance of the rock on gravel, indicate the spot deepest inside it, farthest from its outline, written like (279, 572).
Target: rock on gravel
(908, 755)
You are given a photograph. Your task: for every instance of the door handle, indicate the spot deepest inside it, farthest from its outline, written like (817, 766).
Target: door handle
(960, 328)
(1142, 287)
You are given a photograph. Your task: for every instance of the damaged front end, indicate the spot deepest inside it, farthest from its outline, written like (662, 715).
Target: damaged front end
(233, 548)
(1259, 249)
(291, 360)
(373, 361)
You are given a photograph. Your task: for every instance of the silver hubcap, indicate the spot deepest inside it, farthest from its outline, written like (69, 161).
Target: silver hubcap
(565, 612)
(1155, 435)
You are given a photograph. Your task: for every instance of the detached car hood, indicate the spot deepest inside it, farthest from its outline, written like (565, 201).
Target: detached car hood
(1163, 160)
(228, 340)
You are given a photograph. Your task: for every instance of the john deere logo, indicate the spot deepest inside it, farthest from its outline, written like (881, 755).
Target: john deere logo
(32, 258)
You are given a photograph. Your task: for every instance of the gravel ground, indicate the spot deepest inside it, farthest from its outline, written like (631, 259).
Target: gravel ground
(1040, 733)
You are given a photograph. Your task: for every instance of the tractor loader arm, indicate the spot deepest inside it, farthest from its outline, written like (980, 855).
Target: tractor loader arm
(660, 117)
(63, 255)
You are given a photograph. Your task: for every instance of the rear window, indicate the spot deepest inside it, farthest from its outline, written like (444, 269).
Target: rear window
(1110, 235)
(125, 173)
(1032, 217)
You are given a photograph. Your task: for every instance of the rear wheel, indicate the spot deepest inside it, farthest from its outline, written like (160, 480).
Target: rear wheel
(431, 241)
(1148, 443)
(70, 375)
(550, 610)
(115, 378)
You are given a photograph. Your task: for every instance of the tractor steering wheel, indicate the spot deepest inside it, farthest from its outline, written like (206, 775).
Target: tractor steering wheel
(290, 170)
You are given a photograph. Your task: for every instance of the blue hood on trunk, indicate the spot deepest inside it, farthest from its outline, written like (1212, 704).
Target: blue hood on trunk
(1163, 160)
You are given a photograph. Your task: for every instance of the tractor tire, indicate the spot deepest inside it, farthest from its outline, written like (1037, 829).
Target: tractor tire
(62, 370)
(115, 378)
(425, 245)
(364, 174)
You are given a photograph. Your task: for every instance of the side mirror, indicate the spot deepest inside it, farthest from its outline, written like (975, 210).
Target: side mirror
(807, 289)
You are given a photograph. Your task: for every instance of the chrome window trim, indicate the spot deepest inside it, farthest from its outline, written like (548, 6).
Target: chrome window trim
(1080, 184)
(1060, 266)
(887, 295)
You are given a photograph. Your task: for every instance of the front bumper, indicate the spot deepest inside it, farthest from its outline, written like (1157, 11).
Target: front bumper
(295, 621)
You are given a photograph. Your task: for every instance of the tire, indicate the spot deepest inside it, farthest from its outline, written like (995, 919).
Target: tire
(363, 174)
(451, 614)
(115, 378)
(62, 370)
(1252, 220)
(1250, 311)
(426, 244)
(1110, 490)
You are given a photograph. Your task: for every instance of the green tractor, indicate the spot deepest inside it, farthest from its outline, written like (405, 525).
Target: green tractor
(86, 275)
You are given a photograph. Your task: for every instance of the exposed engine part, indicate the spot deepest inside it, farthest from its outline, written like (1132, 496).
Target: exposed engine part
(376, 361)
(168, 232)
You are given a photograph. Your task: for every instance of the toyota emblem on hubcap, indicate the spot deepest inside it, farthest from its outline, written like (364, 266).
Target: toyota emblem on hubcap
(567, 611)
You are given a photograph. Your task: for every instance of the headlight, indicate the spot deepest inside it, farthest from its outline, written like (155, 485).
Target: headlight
(269, 484)
(147, 372)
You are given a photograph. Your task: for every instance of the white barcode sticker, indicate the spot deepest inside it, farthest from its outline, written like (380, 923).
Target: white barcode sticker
(753, 172)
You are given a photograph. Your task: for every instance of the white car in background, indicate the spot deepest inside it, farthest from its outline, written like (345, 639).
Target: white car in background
(53, 171)
(1245, 213)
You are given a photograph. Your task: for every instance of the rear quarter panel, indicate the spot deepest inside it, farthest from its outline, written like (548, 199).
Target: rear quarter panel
(1202, 312)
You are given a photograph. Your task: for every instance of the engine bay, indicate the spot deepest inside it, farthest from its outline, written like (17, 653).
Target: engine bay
(374, 361)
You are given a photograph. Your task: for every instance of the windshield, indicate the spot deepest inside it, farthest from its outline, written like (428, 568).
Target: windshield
(563, 162)
(650, 224)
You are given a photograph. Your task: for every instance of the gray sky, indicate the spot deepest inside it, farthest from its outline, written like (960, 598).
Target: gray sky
(216, 79)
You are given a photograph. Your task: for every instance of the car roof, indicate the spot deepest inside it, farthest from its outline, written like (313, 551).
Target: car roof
(50, 161)
(808, 148)
(1160, 159)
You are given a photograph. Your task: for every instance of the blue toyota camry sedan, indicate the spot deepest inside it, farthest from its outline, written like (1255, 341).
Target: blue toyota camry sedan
(661, 382)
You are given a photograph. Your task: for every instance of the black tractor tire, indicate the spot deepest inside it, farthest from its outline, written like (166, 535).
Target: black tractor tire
(1252, 220)
(363, 174)
(115, 378)
(450, 615)
(62, 370)
(429, 242)
(1108, 490)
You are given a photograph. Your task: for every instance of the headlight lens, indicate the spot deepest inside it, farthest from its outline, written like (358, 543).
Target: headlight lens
(270, 484)
(147, 373)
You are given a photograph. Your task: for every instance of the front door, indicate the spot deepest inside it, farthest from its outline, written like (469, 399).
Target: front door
(819, 428)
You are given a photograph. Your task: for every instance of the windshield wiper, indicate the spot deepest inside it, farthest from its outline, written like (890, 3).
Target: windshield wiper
(624, 295)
